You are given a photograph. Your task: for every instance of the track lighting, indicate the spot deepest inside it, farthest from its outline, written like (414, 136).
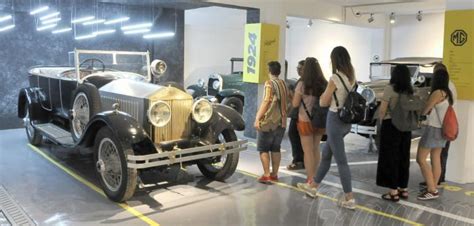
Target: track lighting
(310, 23)
(371, 18)
(419, 16)
(392, 18)
(287, 25)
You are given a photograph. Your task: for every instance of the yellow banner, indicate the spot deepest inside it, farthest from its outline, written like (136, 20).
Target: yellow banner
(261, 46)
(459, 51)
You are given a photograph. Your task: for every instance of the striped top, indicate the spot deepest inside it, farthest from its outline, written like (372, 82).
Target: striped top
(281, 95)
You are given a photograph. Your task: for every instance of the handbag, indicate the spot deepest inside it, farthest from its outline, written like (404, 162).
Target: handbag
(272, 118)
(449, 124)
(354, 107)
(318, 114)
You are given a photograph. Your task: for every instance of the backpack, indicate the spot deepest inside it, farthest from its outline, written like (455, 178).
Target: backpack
(405, 114)
(450, 124)
(353, 110)
(272, 117)
(318, 114)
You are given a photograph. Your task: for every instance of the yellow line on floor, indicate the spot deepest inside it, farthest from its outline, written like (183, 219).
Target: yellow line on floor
(366, 209)
(125, 206)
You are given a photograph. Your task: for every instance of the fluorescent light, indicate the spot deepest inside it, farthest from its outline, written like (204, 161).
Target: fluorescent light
(159, 35)
(61, 30)
(103, 32)
(82, 19)
(7, 27)
(50, 21)
(98, 21)
(138, 31)
(39, 10)
(118, 20)
(85, 36)
(5, 18)
(45, 27)
(51, 15)
(135, 26)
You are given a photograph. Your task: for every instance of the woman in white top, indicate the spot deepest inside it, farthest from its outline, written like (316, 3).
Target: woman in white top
(336, 130)
(432, 140)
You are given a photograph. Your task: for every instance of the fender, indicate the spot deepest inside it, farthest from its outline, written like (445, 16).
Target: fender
(224, 117)
(198, 91)
(34, 97)
(125, 128)
(230, 93)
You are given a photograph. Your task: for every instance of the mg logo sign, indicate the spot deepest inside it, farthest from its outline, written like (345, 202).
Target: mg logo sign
(459, 37)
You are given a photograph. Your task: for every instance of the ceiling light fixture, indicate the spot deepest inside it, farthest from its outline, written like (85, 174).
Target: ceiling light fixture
(7, 27)
(51, 15)
(419, 16)
(371, 18)
(82, 19)
(287, 25)
(85, 36)
(131, 27)
(159, 35)
(39, 10)
(98, 21)
(5, 18)
(310, 23)
(138, 31)
(50, 21)
(117, 20)
(392, 18)
(46, 27)
(62, 30)
(103, 32)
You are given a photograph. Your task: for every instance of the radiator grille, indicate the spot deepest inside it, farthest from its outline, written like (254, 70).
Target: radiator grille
(180, 124)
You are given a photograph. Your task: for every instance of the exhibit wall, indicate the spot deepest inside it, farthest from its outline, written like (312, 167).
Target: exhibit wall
(319, 40)
(24, 47)
(413, 38)
(213, 35)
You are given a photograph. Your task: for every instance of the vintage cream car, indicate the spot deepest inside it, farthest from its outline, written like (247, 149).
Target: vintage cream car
(134, 128)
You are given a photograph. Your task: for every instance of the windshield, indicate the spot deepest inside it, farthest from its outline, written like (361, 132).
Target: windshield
(130, 64)
(383, 71)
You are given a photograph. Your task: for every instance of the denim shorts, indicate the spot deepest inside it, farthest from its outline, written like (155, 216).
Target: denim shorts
(270, 141)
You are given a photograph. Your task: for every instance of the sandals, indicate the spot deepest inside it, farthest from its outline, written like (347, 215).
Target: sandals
(403, 193)
(389, 197)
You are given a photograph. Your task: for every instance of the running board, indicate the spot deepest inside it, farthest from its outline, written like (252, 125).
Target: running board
(55, 134)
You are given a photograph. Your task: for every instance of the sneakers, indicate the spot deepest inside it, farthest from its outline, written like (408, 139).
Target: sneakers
(426, 195)
(274, 178)
(348, 204)
(308, 189)
(440, 184)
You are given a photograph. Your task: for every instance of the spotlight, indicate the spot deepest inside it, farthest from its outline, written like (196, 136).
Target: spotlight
(287, 25)
(371, 18)
(310, 23)
(419, 17)
(392, 18)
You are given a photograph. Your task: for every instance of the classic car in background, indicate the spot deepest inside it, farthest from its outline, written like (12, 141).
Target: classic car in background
(225, 89)
(421, 69)
(107, 105)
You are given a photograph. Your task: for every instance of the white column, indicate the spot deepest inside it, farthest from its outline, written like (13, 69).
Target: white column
(460, 167)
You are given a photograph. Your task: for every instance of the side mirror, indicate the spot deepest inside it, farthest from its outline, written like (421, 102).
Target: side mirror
(158, 67)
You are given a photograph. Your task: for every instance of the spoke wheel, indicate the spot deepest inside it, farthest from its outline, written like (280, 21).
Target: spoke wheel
(118, 181)
(81, 114)
(34, 137)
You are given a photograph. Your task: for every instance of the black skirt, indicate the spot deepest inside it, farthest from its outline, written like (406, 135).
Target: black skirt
(393, 167)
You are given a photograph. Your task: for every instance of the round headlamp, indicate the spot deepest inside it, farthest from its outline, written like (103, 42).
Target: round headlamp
(368, 94)
(202, 111)
(201, 82)
(216, 85)
(159, 114)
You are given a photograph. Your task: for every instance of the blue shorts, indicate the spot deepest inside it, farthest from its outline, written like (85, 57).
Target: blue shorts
(270, 141)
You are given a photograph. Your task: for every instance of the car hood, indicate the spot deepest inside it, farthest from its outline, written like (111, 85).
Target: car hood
(137, 89)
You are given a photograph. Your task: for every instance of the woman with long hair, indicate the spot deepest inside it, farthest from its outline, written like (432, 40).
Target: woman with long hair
(336, 130)
(393, 166)
(432, 140)
(307, 92)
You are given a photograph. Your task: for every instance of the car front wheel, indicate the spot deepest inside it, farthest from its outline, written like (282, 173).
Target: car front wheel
(118, 181)
(221, 167)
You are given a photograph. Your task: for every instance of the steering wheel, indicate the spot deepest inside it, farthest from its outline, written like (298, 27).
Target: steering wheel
(91, 62)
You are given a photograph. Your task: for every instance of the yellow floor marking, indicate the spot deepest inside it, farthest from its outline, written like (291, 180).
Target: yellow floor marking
(451, 188)
(126, 207)
(369, 210)
(469, 193)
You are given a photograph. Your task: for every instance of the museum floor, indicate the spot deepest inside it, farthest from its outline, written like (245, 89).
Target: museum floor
(53, 187)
